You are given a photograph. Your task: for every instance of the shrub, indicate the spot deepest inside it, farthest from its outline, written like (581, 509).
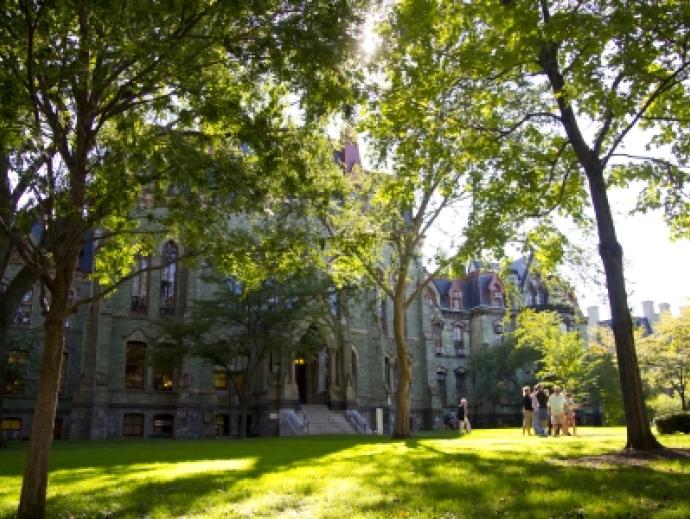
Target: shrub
(663, 404)
(672, 423)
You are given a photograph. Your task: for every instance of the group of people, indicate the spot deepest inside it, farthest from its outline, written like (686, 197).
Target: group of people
(548, 414)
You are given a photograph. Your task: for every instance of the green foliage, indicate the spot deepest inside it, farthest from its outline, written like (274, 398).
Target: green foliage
(665, 356)
(494, 371)
(562, 354)
(662, 404)
(673, 423)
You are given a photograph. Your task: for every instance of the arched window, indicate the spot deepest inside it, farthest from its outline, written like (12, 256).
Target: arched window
(441, 373)
(458, 343)
(168, 297)
(460, 382)
(140, 286)
(135, 365)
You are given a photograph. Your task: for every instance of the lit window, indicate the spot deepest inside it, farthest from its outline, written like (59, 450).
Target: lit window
(162, 379)
(168, 279)
(133, 425)
(11, 427)
(220, 377)
(135, 365)
(140, 286)
(15, 372)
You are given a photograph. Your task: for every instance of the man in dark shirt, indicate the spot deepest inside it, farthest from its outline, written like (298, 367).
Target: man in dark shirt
(543, 408)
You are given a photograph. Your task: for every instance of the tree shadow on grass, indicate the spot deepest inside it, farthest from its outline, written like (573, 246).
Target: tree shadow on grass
(140, 477)
(513, 485)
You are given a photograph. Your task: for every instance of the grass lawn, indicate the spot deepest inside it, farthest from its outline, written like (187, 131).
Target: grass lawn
(488, 473)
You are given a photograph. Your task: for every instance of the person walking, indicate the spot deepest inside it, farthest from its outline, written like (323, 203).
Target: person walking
(463, 416)
(557, 407)
(527, 410)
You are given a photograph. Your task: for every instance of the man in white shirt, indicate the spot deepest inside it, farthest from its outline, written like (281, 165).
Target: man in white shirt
(557, 409)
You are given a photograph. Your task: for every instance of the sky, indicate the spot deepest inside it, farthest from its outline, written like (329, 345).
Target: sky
(655, 267)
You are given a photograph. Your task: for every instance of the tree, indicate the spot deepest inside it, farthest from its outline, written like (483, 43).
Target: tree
(563, 358)
(421, 130)
(556, 89)
(185, 99)
(495, 373)
(665, 355)
(605, 390)
(240, 330)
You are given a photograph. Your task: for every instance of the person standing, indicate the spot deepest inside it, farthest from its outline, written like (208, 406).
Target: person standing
(570, 407)
(536, 422)
(527, 410)
(543, 413)
(557, 407)
(463, 416)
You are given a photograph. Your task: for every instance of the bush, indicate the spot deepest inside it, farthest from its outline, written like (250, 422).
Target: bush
(663, 404)
(672, 423)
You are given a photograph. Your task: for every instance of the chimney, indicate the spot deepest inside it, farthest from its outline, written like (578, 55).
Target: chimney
(664, 308)
(648, 311)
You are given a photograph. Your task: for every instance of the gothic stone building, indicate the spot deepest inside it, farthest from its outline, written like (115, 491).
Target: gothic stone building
(110, 389)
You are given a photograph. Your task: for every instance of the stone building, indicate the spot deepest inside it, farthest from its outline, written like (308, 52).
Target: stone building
(110, 389)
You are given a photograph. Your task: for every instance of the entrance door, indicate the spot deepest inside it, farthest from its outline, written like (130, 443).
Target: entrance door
(301, 380)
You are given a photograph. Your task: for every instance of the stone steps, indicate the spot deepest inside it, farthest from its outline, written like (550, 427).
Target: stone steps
(324, 421)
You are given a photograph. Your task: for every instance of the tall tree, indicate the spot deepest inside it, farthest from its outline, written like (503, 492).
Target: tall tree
(182, 98)
(557, 88)
(665, 355)
(437, 165)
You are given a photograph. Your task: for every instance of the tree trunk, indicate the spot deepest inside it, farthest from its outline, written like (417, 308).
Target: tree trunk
(33, 496)
(3, 361)
(404, 369)
(639, 432)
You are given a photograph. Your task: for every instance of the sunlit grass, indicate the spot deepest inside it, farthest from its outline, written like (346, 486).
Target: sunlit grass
(487, 473)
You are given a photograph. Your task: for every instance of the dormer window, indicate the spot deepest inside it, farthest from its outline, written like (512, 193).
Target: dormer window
(455, 296)
(495, 292)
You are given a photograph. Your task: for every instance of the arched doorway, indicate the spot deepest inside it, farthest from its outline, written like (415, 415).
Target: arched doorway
(312, 368)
